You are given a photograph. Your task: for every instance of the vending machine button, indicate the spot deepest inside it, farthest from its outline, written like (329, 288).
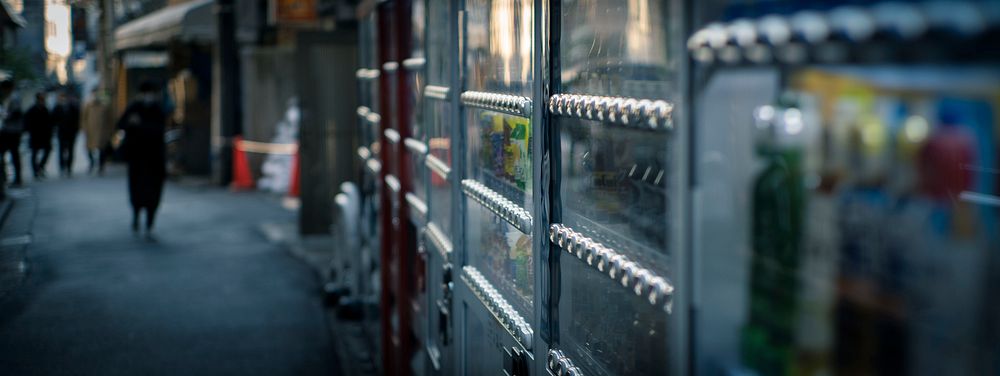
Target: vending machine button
(852, 23)
(955, 17)
(640, 281)
(774, 30)
(809, 27)
(628, 272)
(591, 251)
(602, 259)
(899, 20)
(615, 263)
(553, 361)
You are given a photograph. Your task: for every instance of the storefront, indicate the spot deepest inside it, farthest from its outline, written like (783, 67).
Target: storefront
(173, 47)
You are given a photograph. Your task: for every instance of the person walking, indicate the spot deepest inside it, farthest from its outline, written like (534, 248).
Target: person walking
(11, 128)
(144, 123)
(66, 118)
(38, 123)
(95, 120)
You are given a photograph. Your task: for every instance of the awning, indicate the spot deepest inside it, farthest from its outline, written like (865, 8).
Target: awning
(193, 21)
(14, 17)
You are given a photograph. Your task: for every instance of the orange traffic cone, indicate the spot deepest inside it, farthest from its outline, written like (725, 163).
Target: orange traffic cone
(293, 186)
(242, 179)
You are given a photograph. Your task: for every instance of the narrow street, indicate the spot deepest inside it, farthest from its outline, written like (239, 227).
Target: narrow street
(210, 296)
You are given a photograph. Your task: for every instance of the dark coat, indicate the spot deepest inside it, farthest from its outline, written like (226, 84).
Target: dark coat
(38, 123)
(66, 118)
(14, 123)
(145, 152)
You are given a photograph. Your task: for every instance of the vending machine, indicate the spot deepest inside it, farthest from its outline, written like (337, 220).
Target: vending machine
(496, 276)
(398, 252)
(415, 186)
(363, 301)
(617, 186)
(573, 183)
(437, 112)
(846, 187)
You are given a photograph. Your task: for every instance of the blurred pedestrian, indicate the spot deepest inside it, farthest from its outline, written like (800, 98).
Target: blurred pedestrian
(144, 123)
(11, 127)
(98, 127)
(38, 123)
(66, 118)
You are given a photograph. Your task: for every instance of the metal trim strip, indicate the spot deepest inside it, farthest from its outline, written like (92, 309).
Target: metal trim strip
(506, 103)
(393, 183)
(392, 135)
(439, 240)
(373, 166)
(414, 63)
(630, 112)
(506, 209)
(416, 204)
(436, 92)
(495, 303)
(643, 282)
(437, 166)
(560, 364)
(415, 146)
(365, 74)
(793, 38)
(364, 153)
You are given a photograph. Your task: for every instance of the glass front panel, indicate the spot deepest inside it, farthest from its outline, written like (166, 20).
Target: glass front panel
(863, 208)
(439, 147)
(417, 79)
(618, 48)
(614, 182)
(614, 188)
(498, 46)
(499, 157)
(499, 153)
(502, 254)
(484, 346)
(498, 58)
(439, 55)
(607, 329)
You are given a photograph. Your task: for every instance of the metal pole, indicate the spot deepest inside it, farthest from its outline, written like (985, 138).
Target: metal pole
(105, 45)
(229, 106)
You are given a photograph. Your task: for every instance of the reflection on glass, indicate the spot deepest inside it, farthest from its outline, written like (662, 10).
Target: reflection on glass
(499, 46)
(502, 253)
(617, 48)
(439, 55)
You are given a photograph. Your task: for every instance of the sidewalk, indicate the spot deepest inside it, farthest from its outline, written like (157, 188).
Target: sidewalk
(17, 213)
(209, 296)
(317, 252)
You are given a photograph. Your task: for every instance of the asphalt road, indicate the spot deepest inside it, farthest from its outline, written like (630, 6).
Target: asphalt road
(210, 297)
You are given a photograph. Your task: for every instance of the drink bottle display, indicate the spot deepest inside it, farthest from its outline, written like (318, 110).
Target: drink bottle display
(518, 152)
(871, 239)
(777, 224)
